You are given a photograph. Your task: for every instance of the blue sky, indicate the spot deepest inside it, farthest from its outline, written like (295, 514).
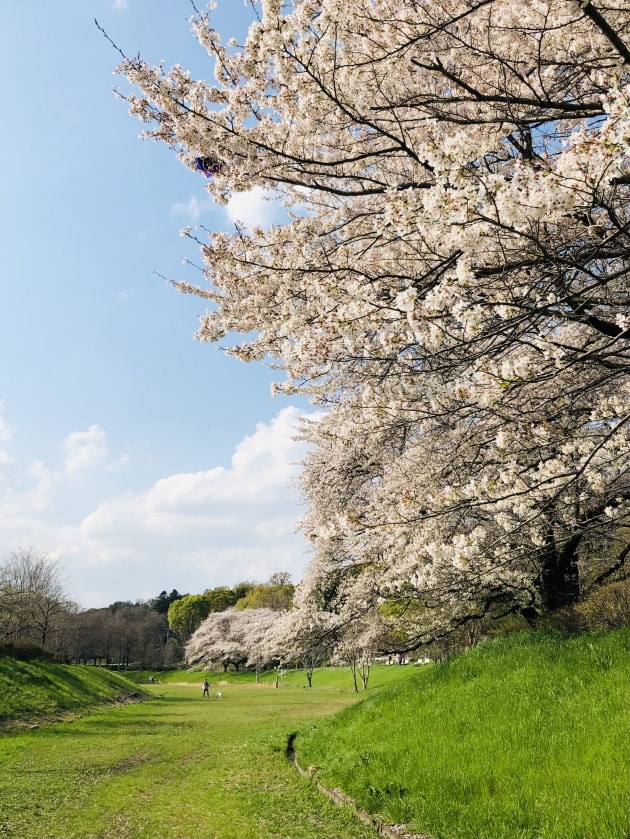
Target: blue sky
(138, 457)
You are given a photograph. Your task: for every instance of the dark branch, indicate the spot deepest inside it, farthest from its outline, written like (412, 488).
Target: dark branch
(602, 24)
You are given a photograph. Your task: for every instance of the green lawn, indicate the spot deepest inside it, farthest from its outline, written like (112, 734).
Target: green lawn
(527, 737)
(333, 678)
(176, 767)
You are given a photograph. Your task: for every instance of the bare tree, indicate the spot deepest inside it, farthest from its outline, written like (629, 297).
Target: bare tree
(33, 596)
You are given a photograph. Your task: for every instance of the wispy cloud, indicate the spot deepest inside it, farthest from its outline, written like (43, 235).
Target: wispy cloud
(84, 450)
(257, 207)
(30, 491)
(192, 210)
(120, 4)
(204, 528)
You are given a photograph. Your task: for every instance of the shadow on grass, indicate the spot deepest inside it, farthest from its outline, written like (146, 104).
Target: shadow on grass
(95, 722)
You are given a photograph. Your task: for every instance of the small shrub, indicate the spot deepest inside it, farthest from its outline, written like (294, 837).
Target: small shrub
(608, 607)
(605, 607)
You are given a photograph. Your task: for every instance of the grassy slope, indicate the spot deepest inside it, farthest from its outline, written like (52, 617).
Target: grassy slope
(32, 692)
(527, 736)
(523, 737)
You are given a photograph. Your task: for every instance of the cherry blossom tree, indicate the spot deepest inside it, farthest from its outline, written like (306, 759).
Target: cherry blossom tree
(233, 637)
(358, 645)
(257, 628)
(304, 637)
(451, 283)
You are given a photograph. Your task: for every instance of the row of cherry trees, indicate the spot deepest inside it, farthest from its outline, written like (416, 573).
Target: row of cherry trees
(262, 638)
(450, 283)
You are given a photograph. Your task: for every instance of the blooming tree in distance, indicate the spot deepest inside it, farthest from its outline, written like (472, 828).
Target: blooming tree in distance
(305, 637)
(450, 283)
(234, 637)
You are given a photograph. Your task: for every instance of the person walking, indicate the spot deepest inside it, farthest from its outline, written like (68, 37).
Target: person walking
(206, 689)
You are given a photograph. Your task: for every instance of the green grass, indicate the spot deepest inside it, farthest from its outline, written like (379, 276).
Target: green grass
(177, 767)
(522, 738)
(33, 692)
(528, 737)
(333, 678)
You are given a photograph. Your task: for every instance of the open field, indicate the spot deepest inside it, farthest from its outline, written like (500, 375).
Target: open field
(524, 738)
(176, 767)
(326, 678)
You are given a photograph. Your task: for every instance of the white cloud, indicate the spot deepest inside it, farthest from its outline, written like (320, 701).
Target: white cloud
(196, 530)
(23, 492)
(40, 495)
(256, 207)
(190, 530)
(262, 467)
(29, 493)
(120, 4)
(84, 450)
(256, 487)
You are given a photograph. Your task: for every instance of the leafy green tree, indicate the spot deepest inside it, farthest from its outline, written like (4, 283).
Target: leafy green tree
(276, 594)
(224, 597)
(241, 589)
(186, 614)
(162, 602)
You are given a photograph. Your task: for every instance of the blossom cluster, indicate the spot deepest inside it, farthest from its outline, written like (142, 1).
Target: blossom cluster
(450, 283)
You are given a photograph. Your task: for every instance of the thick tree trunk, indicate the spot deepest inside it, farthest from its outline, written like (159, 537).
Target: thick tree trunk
(559, 582)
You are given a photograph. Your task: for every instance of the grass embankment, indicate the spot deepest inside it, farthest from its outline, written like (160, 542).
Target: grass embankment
(32, 692)
(527, 736)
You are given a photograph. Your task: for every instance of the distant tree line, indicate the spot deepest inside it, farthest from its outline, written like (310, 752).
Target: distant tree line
(37, 613)
(249, 625)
